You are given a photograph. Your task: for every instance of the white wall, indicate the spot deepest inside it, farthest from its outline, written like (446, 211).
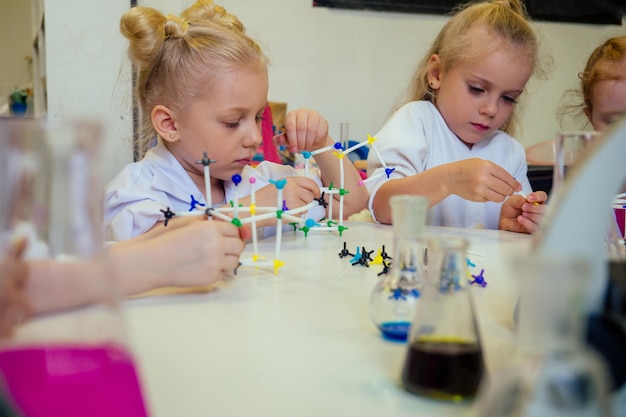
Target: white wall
(87, 73)
(353, 65)
(349, 65)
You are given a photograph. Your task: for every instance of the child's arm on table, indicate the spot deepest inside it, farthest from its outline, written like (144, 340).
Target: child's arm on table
(307, 130)
(189, 252)
(472, 179)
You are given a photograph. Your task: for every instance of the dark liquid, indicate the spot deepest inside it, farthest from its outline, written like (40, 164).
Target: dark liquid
(443, 370)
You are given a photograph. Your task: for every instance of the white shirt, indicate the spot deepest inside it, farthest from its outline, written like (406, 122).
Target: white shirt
(134, 199)
(416, 138)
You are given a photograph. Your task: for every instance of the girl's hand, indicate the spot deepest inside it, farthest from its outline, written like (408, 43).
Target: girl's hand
(480, 180)
(297, 192)
(305, 130)
(522, 215)
(196, 253)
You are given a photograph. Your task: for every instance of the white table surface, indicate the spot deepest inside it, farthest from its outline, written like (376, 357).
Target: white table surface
(301, 343)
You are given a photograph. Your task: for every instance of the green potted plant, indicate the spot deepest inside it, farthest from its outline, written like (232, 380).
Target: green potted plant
(19, 101)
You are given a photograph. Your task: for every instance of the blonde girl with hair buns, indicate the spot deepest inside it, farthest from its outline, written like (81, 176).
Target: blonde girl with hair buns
(202, 85)
(451, 141)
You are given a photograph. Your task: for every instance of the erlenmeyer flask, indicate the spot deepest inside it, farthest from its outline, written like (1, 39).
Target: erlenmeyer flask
(393, 300)
(72, 363)
(444, 357)
(552, 373)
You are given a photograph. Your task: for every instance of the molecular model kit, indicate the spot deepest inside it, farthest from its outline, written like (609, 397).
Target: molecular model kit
(363, 257)
(280, 212)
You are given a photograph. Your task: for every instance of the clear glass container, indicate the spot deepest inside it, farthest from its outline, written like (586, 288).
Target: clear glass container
(568, 149)
(553, 372)
(60, 361)
(444, 359)
(395, 296)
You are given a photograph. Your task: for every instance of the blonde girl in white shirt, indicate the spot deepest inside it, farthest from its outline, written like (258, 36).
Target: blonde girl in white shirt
(451, 142)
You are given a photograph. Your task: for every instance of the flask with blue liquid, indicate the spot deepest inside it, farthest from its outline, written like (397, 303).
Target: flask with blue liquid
(396, 295)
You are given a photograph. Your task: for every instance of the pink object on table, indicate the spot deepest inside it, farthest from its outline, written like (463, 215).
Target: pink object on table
(268, 147)
(73, 381)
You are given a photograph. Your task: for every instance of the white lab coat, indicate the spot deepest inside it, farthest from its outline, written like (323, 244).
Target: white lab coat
(135, 197)
(416, 138)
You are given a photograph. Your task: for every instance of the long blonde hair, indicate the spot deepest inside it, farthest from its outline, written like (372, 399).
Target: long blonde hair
(173, 55)
(606, 62)
(457, 42)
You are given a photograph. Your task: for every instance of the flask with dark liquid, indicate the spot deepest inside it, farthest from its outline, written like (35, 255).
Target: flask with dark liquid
(444, 357)
(395, 296)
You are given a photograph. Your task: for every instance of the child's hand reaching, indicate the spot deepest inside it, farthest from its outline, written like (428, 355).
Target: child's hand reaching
(480, 180)
(305, 130)
(519, 214)
(188, 252)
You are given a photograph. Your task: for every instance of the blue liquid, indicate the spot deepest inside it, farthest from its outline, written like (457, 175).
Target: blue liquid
(396, 331)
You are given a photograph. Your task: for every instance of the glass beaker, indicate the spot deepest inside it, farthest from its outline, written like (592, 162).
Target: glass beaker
(444, 359)
(568, 149)
(75, 362)
(553, 372)
(393, 300)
